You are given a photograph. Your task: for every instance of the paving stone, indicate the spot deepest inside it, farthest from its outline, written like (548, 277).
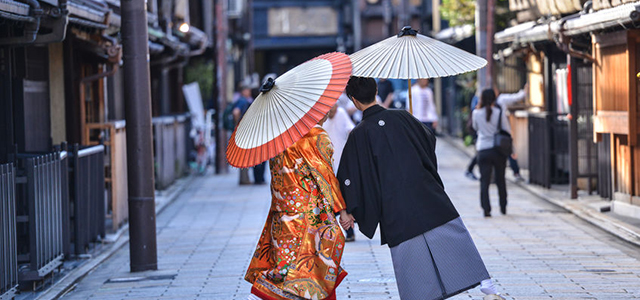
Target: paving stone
(536, 252)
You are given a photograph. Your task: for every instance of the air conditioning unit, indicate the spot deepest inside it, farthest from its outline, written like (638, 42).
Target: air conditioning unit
(235, 8)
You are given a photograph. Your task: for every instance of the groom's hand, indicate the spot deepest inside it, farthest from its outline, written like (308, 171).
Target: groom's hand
(346, 220)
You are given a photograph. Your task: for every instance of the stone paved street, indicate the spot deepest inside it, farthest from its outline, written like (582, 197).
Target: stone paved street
(537, 251)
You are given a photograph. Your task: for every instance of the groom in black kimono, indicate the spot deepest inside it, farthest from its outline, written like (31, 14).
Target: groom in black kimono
(388, 175)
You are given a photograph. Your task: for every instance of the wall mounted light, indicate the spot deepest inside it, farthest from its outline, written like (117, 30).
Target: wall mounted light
(184, 27)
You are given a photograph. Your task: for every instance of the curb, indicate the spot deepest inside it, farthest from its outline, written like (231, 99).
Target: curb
(68, 282)
(613, 226)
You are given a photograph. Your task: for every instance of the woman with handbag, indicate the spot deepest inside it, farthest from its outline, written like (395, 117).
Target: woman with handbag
(493, 146)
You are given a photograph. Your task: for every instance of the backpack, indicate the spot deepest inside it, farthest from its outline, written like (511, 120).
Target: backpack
(227, 117)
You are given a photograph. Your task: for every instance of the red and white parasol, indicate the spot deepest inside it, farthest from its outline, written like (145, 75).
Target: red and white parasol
(287, 108)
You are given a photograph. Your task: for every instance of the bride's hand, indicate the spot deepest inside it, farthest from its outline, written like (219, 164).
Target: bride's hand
(346, 220)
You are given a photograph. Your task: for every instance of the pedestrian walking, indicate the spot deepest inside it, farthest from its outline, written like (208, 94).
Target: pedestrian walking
(385, 92)
(424, 107)
(338, 126)
(433, 254)
(504, 101)
(488, 120)
(240, 107)
(299, 252)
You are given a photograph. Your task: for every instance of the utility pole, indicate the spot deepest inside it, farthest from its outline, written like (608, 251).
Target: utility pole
(490, 31)
(137, 93)
(387, 16)
(220, 93)
(404, 15)
(437, 82)
(357, 25)
(481, 41)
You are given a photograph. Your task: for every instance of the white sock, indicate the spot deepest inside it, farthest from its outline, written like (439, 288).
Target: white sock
(487, 287)
(253, 297)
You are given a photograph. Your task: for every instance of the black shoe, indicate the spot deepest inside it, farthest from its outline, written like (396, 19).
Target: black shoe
(503, 210)
(487, 214)
(470, 175)
(351, 235)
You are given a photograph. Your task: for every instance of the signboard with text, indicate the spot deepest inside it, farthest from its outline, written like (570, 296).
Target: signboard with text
(300, 21)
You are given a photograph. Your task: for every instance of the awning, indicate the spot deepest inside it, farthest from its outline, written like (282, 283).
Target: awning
(155, 48)
(80, 10)
(456, 34)
(14, 7)
(576, 24)
(603, 19)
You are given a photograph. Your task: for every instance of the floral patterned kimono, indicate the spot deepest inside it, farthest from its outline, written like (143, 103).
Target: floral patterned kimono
(299, 252)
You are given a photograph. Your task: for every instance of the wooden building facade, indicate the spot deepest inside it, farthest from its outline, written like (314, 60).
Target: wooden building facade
(62, 127)
(596, 51)
(616, 112)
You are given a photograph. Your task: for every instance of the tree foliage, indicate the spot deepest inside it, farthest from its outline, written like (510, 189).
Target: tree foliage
(458, 12)
(201, 70)
(462, 12)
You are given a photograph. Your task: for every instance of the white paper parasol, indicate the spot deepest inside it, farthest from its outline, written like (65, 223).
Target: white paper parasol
(287, 108)
(410, 55)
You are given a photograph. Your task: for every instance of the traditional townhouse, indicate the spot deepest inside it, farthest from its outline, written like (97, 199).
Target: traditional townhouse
(582, 73)
(63, 183)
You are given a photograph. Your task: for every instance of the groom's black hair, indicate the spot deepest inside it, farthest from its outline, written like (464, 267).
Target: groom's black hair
(363, 89)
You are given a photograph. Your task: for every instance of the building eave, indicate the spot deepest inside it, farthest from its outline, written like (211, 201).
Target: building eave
(572, 25)
(14, 7)
(455, 34)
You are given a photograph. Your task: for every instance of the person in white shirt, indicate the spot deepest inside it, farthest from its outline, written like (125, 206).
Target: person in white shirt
(338, 125)
(488, 119)
(504, 100)
(424, 107)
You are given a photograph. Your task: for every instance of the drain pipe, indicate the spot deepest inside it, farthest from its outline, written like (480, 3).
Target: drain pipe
(201, 48)
(564, 43)
(30, 29)
(58, 25)
(166, 60)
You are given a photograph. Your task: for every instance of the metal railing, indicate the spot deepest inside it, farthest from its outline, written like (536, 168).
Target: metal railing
(549, 149)
(183, 125)
(164, 143)
(171, 137)
(87, 196)
(39, 208)
(8, 251)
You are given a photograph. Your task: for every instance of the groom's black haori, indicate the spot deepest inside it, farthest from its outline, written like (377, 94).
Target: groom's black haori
(388, 175)
(389, 165)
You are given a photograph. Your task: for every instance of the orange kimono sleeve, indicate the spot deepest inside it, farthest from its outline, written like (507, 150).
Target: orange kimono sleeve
(324, 167)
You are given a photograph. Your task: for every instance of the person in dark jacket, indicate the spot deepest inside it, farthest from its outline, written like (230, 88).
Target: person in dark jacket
(388, 176)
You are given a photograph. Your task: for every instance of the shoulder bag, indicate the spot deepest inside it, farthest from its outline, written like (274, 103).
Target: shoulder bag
(502, 140)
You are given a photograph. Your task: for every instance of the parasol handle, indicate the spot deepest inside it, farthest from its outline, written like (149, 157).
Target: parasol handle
(410, 102)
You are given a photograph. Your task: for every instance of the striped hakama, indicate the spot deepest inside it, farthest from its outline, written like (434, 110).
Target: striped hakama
(438, 264)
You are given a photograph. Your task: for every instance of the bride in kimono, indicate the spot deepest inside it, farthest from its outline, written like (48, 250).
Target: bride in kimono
(299, 252)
